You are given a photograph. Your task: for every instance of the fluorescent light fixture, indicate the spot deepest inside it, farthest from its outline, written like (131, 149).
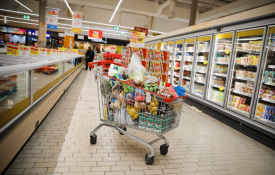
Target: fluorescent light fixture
(115, 10)
(68, 6)
(22, 5)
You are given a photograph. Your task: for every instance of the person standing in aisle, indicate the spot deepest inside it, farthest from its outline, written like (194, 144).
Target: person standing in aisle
(89, 57)
(49, 45)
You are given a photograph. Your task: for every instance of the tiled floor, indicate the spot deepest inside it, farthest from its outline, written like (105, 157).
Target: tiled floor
(201, 145)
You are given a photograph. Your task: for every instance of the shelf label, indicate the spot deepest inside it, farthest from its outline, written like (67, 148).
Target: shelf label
(221, 88)
(42, 51)
(205, 62)
(24, 51)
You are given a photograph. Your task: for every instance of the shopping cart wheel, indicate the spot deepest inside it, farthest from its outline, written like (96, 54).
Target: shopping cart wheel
(149, 161)
(163, 149)
(93, 139)
(124, 130)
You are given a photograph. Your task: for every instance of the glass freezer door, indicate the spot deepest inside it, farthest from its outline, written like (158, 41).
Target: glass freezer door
(177, 62)
(245, 69)
(200, 68)
(265, 108)
(189, 49)
(170, 48)
(219, 71)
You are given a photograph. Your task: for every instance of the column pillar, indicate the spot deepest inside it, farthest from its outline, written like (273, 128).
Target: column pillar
(42, 23)
(193, 12)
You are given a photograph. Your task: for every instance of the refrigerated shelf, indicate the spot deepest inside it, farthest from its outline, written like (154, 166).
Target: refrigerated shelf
(268, 100)
(241, 93)
(188, 78)
(200, 82)
(245, 79)
(220, 75)
(201, 72)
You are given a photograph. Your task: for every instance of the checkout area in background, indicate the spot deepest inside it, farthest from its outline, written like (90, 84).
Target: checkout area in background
(13, 34)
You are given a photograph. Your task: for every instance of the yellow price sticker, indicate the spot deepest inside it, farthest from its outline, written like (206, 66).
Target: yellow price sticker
(227, 51)
(176, 68)
(221, 88)
(205, 62)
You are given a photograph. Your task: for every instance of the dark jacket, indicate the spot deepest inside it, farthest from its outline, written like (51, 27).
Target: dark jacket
(90, 55)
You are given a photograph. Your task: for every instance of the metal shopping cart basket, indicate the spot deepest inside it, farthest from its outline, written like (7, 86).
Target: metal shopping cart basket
(122, 104)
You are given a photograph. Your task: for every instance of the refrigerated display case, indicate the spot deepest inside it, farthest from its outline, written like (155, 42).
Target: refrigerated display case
(201, 64)
(177, 62)
(245, 70)
(265, 107)
(188, 60)
(220, 64)
(170, 49)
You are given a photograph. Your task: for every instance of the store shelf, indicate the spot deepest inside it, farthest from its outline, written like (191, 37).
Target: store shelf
(204, 51)
(268, 100)
(250, 39)
(237, 109)
(249, 51)
(245, 79)
(246, 65)
(200, 61)
(216, 86)
(201, 72)
(190, 51)
(241, 93)
(269, 84)
(189, 60)
(220, 75)
(188, 78)
(200, 82)
(176, 76)
(220, 50)
(223, 63)
(178, 60)
(263, 120)
(187, 69)
(271, 66)
(215, 101)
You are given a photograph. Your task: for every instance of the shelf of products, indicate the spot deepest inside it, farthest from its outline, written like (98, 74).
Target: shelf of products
(177, 61)
(202, 58)
(170, 49)
(245, 69)
(265, 109)
(189, 47)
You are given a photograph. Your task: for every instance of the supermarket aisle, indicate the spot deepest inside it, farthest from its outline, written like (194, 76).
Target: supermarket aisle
(200, 146)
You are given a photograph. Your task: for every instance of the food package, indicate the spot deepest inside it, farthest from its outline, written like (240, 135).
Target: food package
(166, 93)
(175, 95)
(255, 60)
(157, 67)
(243, 60)
(115, 69)
(157, 55)
(136, 71)
(137, 51)
(165, 77)
(121, 98)
(165, 68)
(145, 54)
(150, 79)
(165, 56)
(145, 64)
(139, 95)
(115, 104)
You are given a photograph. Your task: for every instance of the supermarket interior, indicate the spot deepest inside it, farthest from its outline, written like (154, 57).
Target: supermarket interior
(182, 87)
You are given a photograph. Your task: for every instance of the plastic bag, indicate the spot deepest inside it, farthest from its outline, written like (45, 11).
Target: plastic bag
(115, 69)
(121, 98)
(115, 104)
(136, 71)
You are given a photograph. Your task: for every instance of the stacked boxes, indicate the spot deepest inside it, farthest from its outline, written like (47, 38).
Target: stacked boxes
(239, 103)
(265, 111)
(199, 89)
(216, 95)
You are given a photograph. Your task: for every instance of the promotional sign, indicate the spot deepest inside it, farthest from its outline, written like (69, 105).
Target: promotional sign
(13, 30)
(77, 22)
(69, 41)
(49, 52)
(32, 33)
(52, 19)
(54, 52)
(48, 35)
(12, 49)
(81, 52)
(24, 51)
(34, 50)
(42, 51)
(140, 29)
(62, 51)
(112, 49)
(80, 37)
(95, 34)
(137, 39)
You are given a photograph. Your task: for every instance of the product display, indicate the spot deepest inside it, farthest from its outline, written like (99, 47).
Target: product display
(201, 64)
(245, 68)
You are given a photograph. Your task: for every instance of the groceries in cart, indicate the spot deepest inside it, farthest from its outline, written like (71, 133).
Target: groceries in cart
(138, 99)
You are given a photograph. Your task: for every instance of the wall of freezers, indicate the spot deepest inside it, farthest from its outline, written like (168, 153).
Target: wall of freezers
(232, 70)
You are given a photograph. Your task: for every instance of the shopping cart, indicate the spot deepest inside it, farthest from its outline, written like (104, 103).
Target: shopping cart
(122, 104)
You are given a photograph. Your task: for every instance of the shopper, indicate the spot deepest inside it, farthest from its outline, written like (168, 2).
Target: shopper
(89, 57)
(49, 45)
(75, 46)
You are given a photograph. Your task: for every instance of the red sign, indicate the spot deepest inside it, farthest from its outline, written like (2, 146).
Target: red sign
(140, 29)
(93, 34)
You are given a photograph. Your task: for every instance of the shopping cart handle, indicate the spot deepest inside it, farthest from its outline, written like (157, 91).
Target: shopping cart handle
(102, 63)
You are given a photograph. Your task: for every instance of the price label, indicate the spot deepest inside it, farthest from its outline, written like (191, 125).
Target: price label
(54, 52)
(221, 88)
(42, 52)
(205, 62)
(24, 51)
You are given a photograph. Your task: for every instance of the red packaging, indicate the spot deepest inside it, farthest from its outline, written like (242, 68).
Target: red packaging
(156, 75)
(145, 53)
(157, 55)
(173, 91)
(151, 67)
(136, 50)
(165, 56)
(157, 67)
(165, 78)
(177, 64)
(165, 68)
(145, 64)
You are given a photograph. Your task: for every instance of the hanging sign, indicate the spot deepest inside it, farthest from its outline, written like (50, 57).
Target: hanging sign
(34, 50)
(137, 39)
(95, 34)
(42, 51)
(24, 51)
(54, 52)
(77, 22)
(52, 19)
(12, 49)
(140, 29)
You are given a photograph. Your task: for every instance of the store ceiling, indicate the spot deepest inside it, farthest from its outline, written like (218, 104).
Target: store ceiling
(203, 5)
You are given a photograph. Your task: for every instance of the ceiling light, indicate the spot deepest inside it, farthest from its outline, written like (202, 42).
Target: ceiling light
(115, 10)
(68, 7)
(22, 5)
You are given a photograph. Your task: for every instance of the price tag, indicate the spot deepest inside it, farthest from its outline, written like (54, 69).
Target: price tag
(205, 62)
(24, 51)
(42, 52)
(54, 52)
(221, 88)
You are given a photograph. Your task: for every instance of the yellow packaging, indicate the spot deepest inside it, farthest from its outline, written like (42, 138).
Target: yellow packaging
(255, 60)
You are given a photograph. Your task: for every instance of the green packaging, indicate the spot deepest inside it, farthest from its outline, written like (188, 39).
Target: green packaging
(142, 122)
(150, 123)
